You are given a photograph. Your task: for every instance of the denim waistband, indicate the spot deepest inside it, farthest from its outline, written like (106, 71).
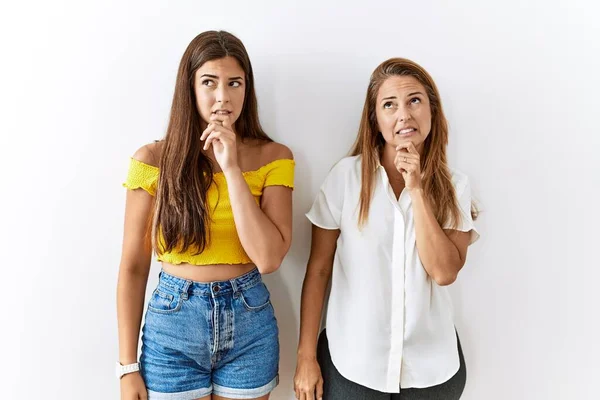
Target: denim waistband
(213, 289)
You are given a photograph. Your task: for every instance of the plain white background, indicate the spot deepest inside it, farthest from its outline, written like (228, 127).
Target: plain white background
(84, 84)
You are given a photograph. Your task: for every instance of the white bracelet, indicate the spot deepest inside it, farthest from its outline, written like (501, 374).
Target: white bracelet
(126, 369)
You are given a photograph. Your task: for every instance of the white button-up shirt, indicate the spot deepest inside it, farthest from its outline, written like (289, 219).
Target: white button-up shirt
(388, 323)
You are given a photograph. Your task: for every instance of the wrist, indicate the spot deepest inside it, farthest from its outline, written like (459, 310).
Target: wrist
(417, 191)
(125, 369)
(304, 354)
(128, 378)
(232, 171)
(127, 356)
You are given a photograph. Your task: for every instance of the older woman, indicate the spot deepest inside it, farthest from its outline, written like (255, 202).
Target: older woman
(391, 227)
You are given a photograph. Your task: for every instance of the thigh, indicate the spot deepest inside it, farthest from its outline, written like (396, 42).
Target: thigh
(174, 346)
(215, 397)
(248, 364)
(452, 389)
(335, 386)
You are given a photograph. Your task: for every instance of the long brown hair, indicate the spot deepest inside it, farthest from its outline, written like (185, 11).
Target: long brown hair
(182, 214)
(437, 179)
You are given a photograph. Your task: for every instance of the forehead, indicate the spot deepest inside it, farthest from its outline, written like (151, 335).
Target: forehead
(225, 67)
(399, 86)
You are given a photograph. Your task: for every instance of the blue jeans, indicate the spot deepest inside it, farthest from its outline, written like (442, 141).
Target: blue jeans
(203, 338)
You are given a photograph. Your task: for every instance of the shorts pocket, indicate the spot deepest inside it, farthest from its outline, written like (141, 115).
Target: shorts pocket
(163, 302)
(255, 298)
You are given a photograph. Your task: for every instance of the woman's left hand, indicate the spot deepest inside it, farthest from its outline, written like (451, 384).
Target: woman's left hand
(220, 135)
(408, 163)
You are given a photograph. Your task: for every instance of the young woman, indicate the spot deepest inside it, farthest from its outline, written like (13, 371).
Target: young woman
(214, 201)
(391, 227)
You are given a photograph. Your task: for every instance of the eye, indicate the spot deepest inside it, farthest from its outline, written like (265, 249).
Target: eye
(415, 100)
(235, 84)
(388, 105)
(208, 82)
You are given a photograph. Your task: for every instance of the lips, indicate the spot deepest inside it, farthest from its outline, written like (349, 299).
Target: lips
(222, 112)
(406, 131)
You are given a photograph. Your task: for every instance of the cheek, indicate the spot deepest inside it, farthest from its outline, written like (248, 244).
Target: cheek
(424, 118)
(428, 120)
(238, 102)
(239, 99)
(207, 99)
(385, 121)
(204, 104)
(203, 98)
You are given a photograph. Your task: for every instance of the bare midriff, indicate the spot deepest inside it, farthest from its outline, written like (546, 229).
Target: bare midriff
(207, 273)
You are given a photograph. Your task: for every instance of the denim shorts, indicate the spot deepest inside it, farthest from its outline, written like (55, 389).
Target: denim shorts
(210, 338)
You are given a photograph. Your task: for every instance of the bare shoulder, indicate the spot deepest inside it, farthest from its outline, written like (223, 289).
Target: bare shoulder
(272, 151)
(150, 153)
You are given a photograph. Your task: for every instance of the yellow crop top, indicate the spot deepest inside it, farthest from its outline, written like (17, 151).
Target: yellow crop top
(224, 245)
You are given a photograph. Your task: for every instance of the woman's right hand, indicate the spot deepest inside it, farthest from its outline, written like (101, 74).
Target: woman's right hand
(133, 387)
(308, 380)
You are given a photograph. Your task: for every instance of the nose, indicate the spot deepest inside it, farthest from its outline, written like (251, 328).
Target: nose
(403, 114)
(222, 95)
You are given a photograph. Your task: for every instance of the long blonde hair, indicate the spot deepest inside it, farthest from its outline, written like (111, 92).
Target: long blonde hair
(437, 179)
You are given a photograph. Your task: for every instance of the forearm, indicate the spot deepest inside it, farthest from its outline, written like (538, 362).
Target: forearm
(439, 256)
(313, 295)
(262, 241)
(131, 289)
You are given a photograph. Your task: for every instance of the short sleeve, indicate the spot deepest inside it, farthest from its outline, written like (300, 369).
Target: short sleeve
(466, 224)
(141, 176)
(326, 211)
(280, 173)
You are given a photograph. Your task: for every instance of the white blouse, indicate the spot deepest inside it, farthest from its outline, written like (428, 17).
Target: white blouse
(388, 323)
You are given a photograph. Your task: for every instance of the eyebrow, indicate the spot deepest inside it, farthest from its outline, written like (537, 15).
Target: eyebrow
(216, 77)
(394, 97)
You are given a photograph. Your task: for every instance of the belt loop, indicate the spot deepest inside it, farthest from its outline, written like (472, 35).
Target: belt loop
(184, 290)
(234, 286)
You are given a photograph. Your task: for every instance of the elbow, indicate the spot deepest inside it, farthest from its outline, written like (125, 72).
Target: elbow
(267, 267)
(271, 259)
(446, 274)
(139, 268)
(269, 264)
(445, 279)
